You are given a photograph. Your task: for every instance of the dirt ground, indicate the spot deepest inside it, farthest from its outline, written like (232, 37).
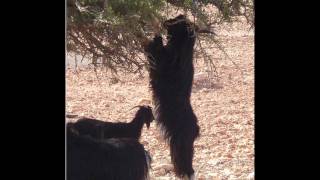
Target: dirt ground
(224, 107)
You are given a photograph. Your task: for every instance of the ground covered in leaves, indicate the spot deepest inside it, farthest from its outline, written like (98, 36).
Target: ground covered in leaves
(224, 107)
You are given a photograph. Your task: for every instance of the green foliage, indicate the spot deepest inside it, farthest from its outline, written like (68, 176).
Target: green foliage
(112, 30)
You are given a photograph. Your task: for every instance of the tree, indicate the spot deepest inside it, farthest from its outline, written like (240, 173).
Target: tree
(113, 31)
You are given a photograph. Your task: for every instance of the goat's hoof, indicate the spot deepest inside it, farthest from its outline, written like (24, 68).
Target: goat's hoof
(191, 177)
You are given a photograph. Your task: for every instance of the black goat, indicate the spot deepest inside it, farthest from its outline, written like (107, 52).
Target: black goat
(103, 130)
(110, 159)
(171, 76)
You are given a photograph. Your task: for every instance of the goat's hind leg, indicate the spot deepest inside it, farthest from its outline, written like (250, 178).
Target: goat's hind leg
(181, 149)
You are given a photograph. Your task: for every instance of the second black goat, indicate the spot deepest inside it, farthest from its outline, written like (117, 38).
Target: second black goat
(103, 130)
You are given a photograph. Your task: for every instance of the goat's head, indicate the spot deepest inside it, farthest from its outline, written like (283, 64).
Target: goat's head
(178, 26)
(145, 113)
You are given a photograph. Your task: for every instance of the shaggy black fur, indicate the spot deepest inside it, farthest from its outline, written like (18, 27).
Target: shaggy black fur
(103, 130)
(171, 76)
(111, 159)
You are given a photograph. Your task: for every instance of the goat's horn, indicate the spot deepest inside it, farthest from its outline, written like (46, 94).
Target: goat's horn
(135, 107)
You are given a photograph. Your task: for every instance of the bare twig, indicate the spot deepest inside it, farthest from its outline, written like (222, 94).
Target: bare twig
(207, 60)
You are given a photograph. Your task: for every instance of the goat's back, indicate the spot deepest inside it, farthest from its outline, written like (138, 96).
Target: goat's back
(112, 159)
(105, 130)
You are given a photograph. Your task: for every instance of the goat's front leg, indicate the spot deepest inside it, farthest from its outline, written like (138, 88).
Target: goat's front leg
(155, 50)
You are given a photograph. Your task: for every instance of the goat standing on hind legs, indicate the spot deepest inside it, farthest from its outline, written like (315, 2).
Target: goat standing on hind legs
(171, 76)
